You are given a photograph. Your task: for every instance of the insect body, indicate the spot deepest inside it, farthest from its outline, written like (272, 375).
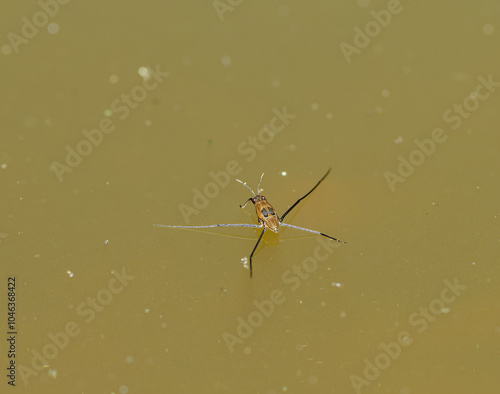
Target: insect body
(265, 212)
(267, 216)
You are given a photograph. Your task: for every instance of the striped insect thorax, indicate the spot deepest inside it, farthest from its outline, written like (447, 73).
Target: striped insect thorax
(266, 213)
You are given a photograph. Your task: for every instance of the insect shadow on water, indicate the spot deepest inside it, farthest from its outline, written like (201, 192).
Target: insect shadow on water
(268, 219)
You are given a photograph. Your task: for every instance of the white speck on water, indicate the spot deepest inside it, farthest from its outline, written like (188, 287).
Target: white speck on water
(488, 29)
(123, 389)
(406, 340)
(226, 61)
(144, 72)
(53, 28)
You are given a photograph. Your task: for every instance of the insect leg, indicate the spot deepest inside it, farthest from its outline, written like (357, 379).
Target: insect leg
(244, 205)
(312, 231)
(301, 198)
(255, 247)
(213, 225)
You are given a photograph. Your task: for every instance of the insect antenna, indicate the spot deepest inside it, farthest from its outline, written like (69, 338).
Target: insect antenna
(245, 184)
(258, 186)
(249, 188)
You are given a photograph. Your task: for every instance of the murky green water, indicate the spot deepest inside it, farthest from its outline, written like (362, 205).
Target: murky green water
(117, 116)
